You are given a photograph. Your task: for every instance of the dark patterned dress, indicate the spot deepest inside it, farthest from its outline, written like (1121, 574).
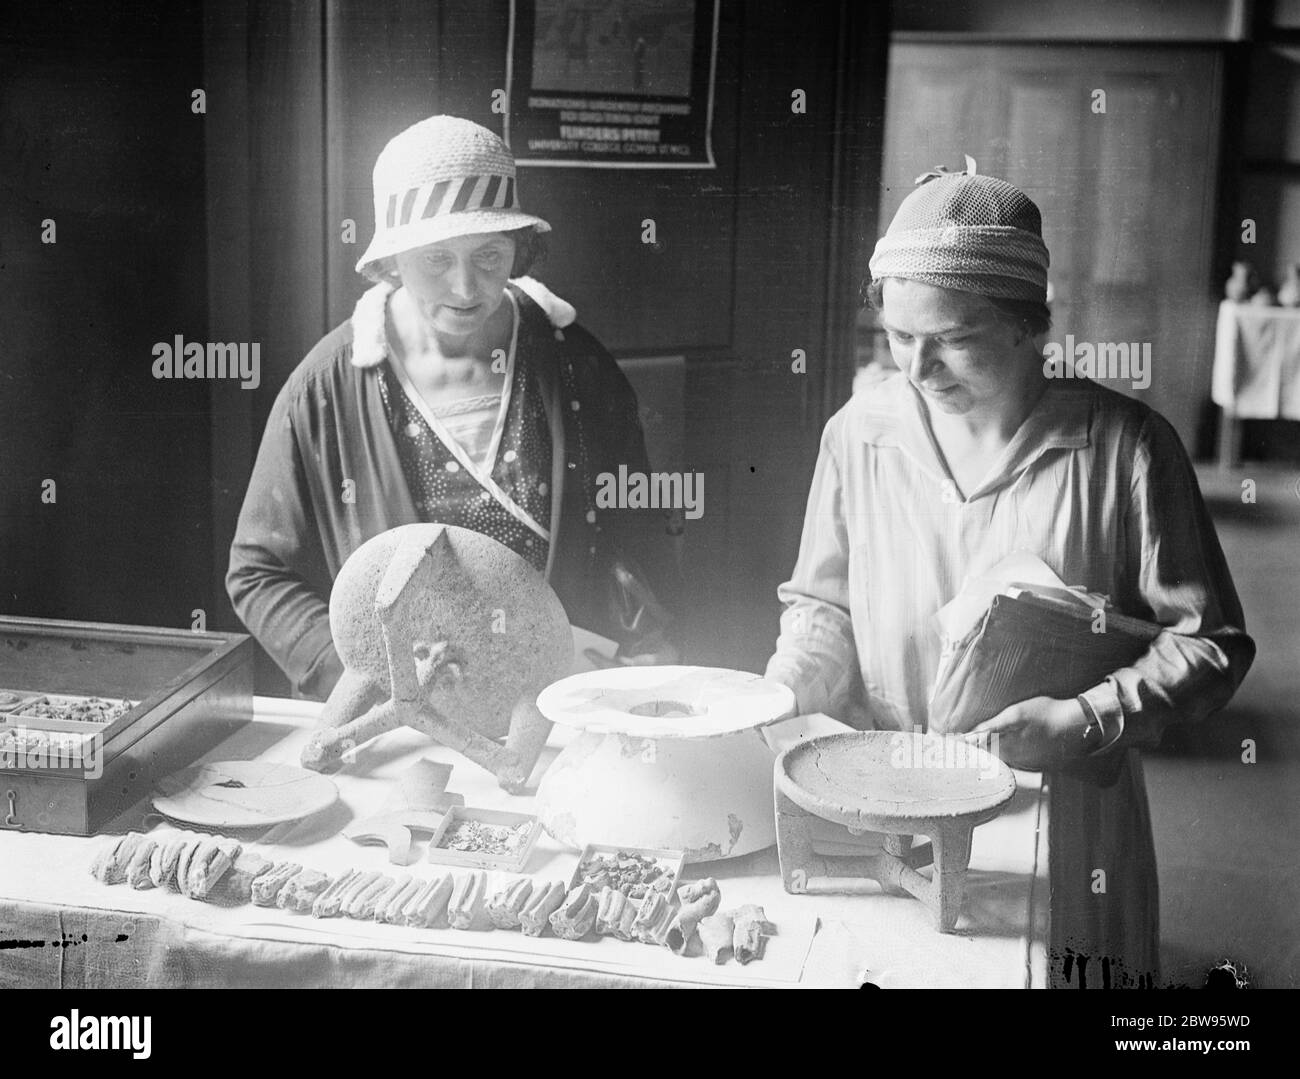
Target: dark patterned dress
(509, 496)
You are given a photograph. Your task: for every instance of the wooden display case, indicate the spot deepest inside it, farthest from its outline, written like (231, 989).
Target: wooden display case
(192, 691)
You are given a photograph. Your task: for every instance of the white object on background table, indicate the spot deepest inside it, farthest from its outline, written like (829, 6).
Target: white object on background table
(1256, 372)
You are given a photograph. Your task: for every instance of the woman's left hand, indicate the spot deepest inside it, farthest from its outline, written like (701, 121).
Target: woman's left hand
(1038, 734)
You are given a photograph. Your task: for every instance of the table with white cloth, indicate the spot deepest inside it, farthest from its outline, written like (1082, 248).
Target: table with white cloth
(59, 927)
(1256, 369)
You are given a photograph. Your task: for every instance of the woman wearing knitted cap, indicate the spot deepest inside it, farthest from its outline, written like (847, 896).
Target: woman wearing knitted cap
(459, 392)
(965, 455)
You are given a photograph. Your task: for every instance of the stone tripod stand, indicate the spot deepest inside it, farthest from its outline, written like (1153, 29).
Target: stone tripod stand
(854, 780)
(449, 632)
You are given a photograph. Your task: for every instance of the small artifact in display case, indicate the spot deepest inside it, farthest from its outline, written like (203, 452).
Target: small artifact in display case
(92, 715)
(485, 839)
(73, 709)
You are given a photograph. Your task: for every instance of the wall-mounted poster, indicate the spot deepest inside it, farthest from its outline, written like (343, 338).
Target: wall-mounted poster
(612, 84)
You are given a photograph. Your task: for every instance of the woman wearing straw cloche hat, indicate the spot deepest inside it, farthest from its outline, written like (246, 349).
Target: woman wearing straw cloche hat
(461, 392)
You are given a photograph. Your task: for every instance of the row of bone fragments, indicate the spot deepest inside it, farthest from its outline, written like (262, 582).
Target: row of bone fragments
(221, 870)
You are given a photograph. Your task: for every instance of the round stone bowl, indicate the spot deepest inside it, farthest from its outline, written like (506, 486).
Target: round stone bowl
(664, 757)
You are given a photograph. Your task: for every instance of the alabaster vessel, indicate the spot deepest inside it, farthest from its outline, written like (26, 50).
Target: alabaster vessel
(666, 757)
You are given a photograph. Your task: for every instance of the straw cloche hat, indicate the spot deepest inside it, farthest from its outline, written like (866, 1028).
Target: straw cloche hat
(440, 178)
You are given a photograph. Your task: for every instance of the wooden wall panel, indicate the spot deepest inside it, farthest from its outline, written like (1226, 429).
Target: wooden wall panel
(96, 134)
(265, 165)
(381, 74)
(1127, 196)
(804, 203)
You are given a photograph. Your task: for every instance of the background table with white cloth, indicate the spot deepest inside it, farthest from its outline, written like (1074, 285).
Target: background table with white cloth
(1256, 369)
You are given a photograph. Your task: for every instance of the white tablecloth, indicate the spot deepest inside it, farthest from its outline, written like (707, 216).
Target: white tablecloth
(46, 891)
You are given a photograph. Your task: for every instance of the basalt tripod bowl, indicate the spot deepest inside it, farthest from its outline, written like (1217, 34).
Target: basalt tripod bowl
(896, 783)
(450, 632)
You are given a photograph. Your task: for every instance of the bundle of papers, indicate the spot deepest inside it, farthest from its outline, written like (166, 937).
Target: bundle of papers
(1018, 631)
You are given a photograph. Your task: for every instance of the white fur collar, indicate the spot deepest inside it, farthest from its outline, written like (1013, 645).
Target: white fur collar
(370, 347)
(369, 343)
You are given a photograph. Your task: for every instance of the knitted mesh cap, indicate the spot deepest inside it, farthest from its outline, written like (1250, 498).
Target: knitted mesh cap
(970, 201)
(440, 178)
(968, 232)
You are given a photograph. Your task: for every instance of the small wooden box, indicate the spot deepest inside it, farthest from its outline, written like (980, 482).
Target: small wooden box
(194, 690)
(478, 860)
(671, 860)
